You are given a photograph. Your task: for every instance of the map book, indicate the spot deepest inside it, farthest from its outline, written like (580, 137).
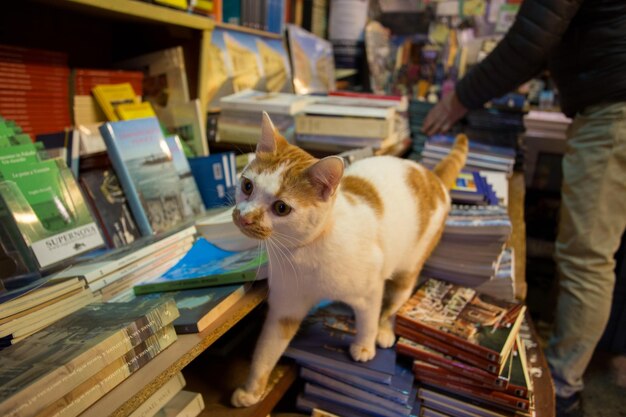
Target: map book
(206, 265)
(324, 339)
(475, 323)
(199, 307)
(62, 356)
(144, 166)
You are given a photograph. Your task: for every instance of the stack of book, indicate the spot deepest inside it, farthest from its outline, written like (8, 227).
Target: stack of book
(30, 308)
(466, 350)
(546, 124)
(218, 228)
(340, 122)
(473, 188)
(115, 273)
(240, 117)
(171, 400)
(417, 113)
(34, 90)
(337, 384)
(474, 238)
(68, 366)
(480, 157)
(86, 110)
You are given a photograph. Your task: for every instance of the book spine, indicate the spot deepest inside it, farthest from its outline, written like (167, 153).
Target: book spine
(161, 397)
(451, 365)
(185, 284)
(490, 397)
(447, 349)
(422, 370)
(80, 398)
(343, 126)
(478, 350)
(127, 184)
(56, 383)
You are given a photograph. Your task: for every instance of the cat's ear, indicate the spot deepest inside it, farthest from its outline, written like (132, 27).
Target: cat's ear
(325, 175)
(270, 137)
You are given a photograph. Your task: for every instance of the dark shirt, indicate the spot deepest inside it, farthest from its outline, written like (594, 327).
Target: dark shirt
(582, 42)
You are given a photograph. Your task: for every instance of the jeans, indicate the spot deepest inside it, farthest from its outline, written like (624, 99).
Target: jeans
(592, 221)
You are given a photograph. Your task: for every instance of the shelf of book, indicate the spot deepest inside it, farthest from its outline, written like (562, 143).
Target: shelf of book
(130, 394)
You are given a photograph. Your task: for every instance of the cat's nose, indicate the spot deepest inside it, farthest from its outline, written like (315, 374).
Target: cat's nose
(245, 220)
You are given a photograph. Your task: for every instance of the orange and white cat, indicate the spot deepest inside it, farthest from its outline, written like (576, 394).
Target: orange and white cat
(359, 236)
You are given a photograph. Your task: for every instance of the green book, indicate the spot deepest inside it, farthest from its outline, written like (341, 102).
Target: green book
(206, 265)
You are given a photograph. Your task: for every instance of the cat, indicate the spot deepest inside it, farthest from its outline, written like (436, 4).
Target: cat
(359, 236)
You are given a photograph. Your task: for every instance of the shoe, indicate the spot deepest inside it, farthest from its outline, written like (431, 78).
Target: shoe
(571, 406)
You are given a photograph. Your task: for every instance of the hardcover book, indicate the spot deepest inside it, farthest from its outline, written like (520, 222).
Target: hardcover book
(144, 166)
(476, 323)
(324, 339)
(48, 208)
(206, 265)
(62, 356)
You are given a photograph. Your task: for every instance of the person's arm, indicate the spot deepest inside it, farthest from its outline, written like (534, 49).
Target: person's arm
(522, 52)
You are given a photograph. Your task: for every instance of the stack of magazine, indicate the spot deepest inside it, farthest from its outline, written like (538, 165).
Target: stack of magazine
(334, 382)
(472, 246)
(68, 366)
(468, 356)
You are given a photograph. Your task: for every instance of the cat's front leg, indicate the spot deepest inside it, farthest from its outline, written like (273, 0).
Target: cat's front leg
(366, 315)
(279, 328)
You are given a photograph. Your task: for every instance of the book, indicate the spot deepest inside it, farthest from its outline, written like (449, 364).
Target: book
(456, 405)
(320, 407)
(129, 111)
(77, 400)
(184, 404)
(46, 205)
(312, 61)
(110, 205)
(217, 227)
(161, 397)
(144, 166)
(109, 96)
(62, 356)
(349, 402)
(256, 102)
(36, 293)
(199, 307)
(65, 145)
(190, 196)
(186, 121)
(476, 323)
(92, 270)
(324, 339)
(206, 265)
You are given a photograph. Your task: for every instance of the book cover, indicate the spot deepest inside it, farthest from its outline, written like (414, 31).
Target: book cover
(218, 228)
(312, 61)
(476, 323)
(77, 400)
(371, 409)
(63, 355)
(186, 121)
(49, 210)
(185, 403)
(199, 307)
(161, 397)
(324, 339)
(129, 111)
(190, 196)
(144, 166)
(109, 96)
(206, 265)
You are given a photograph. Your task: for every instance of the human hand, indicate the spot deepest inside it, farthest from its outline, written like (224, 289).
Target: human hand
(445, 113)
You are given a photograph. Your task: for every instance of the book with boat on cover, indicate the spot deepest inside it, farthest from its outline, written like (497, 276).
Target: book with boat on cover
(206, 265)
(459, 316)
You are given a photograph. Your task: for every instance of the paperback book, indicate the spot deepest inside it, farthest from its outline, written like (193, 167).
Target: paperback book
(206, 265)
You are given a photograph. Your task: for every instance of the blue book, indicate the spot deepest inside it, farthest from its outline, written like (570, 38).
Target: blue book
(206, 265)
(324, 339)
(144, 166)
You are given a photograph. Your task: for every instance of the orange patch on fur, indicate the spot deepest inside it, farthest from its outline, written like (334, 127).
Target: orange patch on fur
(288, 327)
(262, 384)
(360, 188)
(418, 184)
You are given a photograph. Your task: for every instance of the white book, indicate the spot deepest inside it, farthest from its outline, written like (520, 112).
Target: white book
(329, 109)
(259, 101)
(161, 397)
(184, 404)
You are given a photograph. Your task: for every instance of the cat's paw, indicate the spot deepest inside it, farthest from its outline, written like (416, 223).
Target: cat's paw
(361, 353)
(385, 338)
(243, 398)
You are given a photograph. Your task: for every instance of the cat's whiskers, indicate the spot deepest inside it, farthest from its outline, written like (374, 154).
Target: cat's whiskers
(286, 252)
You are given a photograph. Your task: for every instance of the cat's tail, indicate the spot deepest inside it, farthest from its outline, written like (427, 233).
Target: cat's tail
(449, 167)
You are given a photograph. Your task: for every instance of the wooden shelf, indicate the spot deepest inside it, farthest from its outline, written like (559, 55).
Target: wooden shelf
(131, 393)
(249, 30)
(137, 10)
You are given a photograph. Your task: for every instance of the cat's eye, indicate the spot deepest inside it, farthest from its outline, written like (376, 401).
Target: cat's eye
(246, 186)
(281, 208)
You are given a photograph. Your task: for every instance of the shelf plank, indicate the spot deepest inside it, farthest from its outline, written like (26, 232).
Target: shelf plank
(131, 393)
(140, 11)
(248, 30)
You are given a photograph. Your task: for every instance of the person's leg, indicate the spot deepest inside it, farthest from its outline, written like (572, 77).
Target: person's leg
(592, 220)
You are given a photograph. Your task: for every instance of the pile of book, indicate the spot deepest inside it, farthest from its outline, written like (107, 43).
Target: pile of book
(472, 246)
(472, 187)
(481, 156)
(34, 90)
(467, 353)
(68, 366)
(85, 109)
(337, 123)
(337, 384)
(546, 124)
(240, 117)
